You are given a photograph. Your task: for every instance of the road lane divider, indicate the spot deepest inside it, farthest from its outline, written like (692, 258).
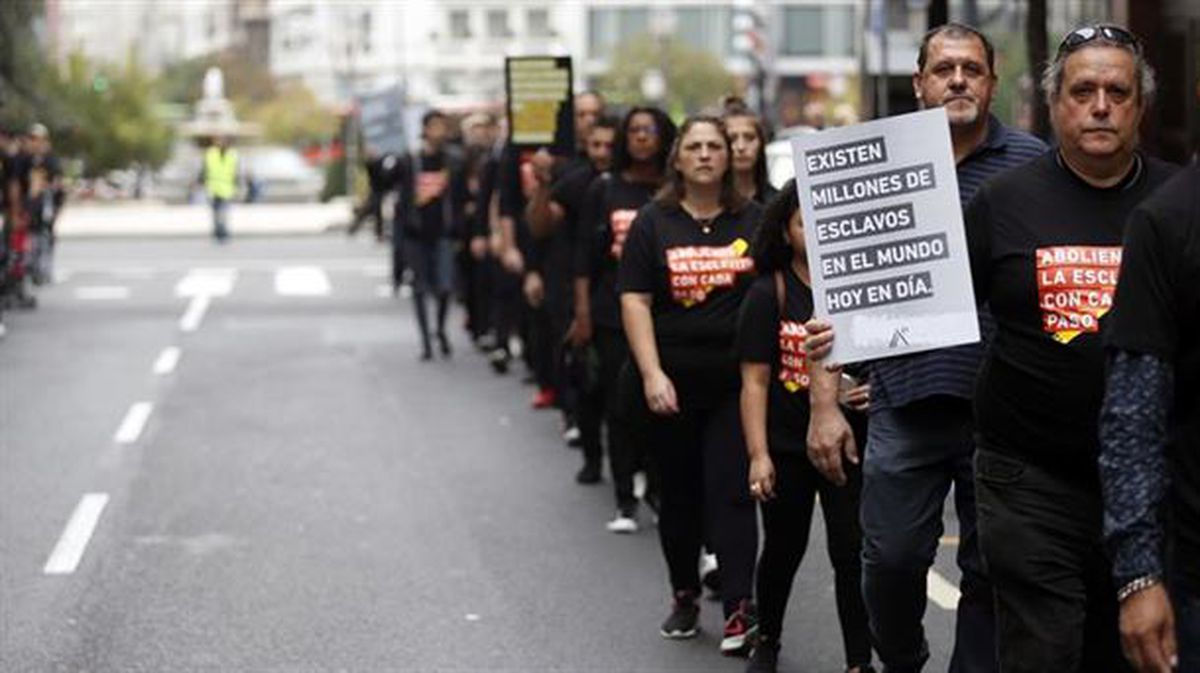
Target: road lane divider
(133, 423)
(75, 537)
(167, 360)
(194, 314)
(941, 591)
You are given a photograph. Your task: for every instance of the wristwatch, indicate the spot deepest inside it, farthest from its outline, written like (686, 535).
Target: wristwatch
(1135, 585)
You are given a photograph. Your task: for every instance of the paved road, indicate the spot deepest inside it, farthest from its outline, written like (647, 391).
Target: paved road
(303, 495)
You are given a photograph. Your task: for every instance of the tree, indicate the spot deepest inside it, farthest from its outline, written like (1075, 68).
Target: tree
(694, 78)
(22, 66)
(1038, 50)
(108, 116)
(294, 116)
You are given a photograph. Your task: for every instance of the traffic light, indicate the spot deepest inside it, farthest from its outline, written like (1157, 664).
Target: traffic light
(749, 32)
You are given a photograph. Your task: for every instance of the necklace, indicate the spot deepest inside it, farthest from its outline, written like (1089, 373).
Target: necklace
(706, 224)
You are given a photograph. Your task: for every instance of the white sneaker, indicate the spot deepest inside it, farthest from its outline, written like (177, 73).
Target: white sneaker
(708, 564)
(572, 434)
(622, 524)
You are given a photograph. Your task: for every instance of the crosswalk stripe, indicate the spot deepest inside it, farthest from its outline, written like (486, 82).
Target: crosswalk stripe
(942, 591)
(302, 281)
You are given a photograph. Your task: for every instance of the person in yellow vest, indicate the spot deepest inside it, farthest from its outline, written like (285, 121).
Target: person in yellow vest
(220, 180)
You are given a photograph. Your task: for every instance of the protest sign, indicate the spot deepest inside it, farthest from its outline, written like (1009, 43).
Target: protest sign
(382, 117)
(541, 111)
(886, 247)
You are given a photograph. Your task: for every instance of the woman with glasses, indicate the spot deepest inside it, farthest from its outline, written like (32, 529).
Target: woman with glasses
(775, 412)
(685, 268)
(613, 199)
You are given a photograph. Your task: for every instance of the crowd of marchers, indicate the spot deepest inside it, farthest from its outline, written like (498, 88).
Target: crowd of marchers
(656, 286)
(31, 195)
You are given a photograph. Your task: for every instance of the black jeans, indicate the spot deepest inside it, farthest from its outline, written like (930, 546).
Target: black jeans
(602, 413)
(1187, 630)
(914, 453)
(1040, 533)
(787, 519)
(700, 457)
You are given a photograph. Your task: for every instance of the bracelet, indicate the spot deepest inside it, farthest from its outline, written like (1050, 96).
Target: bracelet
(1136, 585)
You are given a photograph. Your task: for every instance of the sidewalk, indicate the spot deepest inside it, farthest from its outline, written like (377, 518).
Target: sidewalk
(152, 219)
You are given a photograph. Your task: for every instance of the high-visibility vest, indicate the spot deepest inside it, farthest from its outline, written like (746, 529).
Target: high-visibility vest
(220, 172)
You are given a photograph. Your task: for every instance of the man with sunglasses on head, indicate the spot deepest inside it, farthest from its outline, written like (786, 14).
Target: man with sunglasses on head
(920, 433)
(1046, 246)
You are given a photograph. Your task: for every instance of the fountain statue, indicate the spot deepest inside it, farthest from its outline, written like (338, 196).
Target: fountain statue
(214, 116)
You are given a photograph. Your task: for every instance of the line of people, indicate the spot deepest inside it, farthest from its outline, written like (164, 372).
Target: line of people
(31, 196)
(660, 289)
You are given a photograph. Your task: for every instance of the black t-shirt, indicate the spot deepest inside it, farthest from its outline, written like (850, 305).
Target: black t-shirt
(556, 251)
(1045, 252)
(697, 276)
(610, 204)
(439, 174)
(1157, 312)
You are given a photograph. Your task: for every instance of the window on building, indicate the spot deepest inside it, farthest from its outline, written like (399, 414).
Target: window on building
(497, 23)
(707, 27)
(537, 21)
(609, 27)
(818, 31)
(364, 31)
(460, 24)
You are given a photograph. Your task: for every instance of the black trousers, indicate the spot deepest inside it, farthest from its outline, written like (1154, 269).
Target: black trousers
(787, 519)
(601, 411)
(702, 471)
(1040, 534)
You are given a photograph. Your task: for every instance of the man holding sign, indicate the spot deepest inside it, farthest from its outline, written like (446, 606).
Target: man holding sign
(920, 432)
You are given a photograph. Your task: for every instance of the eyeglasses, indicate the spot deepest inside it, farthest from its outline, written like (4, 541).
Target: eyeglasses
(648, 129)
(1081, 36)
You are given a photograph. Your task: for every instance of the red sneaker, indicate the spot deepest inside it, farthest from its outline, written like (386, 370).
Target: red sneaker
(544, 399)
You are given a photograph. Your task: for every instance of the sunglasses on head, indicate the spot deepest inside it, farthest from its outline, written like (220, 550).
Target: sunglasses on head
(1081, 36)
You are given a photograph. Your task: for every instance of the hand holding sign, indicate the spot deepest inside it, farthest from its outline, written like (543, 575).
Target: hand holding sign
(886, 243)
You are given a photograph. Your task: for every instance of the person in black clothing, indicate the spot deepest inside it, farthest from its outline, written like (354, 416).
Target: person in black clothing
(479, 135)
(684, 269)
(749, 141)
(429, 212)
(1150, 430)
(556, 212)
(380, 180)
(1045, 245)
(775, 411)
(612, 201)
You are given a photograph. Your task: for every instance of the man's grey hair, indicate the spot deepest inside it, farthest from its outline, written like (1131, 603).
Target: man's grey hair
(1147, 85)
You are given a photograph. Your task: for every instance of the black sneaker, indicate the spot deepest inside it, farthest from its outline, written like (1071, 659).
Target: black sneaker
(499, 361)
(765, 658)
(685, 615)
(589, 474)
(444, 344)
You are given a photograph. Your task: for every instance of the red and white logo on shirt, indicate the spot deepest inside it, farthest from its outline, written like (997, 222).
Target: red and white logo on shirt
(620, 221)
(695, 271)
(431, 184)
(1075, 288)
(793, 365)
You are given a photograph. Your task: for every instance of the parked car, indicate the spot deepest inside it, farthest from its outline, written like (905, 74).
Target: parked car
(781, 166)
(273, 173)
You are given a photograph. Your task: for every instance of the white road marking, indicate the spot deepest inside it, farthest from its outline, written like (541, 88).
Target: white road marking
(302, 281)
(135, 421)
(472, 617)
(209, 282)
(942, 591)
(75, 537)
(62, 275)
(194, 314)
(134, 272)
(383, 291)
(102, 292)
(167, 360)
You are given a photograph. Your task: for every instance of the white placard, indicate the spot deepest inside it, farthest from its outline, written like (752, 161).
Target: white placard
(886, 247)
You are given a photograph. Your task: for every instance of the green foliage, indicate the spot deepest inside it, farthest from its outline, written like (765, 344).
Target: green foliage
(694, 78)
(107, 116)
(293, 117)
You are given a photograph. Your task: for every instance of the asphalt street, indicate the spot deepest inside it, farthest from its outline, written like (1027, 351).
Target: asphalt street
(230, 459)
